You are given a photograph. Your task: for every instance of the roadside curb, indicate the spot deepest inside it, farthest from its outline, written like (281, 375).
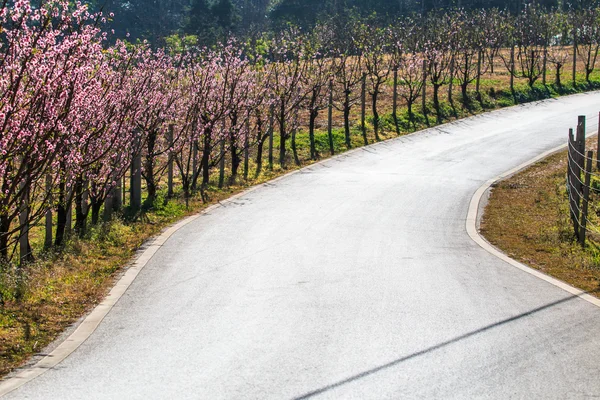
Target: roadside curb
(473, 229)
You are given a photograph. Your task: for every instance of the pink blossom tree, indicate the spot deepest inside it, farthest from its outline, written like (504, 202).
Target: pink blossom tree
(47, 61)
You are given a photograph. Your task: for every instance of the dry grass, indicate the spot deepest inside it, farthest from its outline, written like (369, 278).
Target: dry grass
(527, 217)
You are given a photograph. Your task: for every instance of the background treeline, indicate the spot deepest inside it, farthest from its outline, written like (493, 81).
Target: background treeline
(214, 20)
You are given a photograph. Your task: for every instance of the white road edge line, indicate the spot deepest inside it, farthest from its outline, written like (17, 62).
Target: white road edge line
(473, 231)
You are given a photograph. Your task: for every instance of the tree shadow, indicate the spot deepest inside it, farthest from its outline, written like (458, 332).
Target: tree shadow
(433, 348)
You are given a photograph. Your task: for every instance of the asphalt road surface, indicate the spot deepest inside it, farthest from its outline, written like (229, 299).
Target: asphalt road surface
(353, 279)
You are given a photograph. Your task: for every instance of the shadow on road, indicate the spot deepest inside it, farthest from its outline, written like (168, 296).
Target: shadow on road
(391, 364)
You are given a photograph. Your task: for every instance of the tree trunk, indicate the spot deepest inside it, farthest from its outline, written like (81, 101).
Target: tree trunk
(282, 136)
(544, 66)
(81, 208)
(195, 166)
(347, 120)
(478, 78)
(124, 185)
(271, 133)
(311, 133)
(25, 253)
(61, 223)
(136, 182)
(48, 236)
(259, 156)
(424, 90)
(463, 91)
(61, 215)
(4, 227)
(294, 149)
(375, 113)
(170, 138)
(149, 168)
(451, 84)
(222, 164)
(235, 160)
(588, 72)
(363, 106)
(206, 159)
(195, 175)
(151, 188)
(512, 70)
(436, 102)
(108, 207)
(261, 142)
(330, 119)
(247, 150)
(116, 194)
(347, 133)
(574, 57)
(185, 185)
(395, 102)
(95, 210)
(69, 211)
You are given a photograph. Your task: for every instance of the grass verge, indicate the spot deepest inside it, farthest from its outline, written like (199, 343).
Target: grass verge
(527, 217)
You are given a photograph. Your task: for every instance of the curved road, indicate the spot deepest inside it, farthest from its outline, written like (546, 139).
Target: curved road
(354, 278)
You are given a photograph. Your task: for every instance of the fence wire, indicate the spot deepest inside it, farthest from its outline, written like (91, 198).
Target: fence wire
(577, 188)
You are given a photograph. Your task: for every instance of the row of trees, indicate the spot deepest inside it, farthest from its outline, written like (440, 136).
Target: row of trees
(77, 115)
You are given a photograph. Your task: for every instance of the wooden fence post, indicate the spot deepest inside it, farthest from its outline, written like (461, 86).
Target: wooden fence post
(48, 236)
(363, 108)
(586, 197)
(581, 140)
(579, 159)
(330, 117)
(571, 187)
